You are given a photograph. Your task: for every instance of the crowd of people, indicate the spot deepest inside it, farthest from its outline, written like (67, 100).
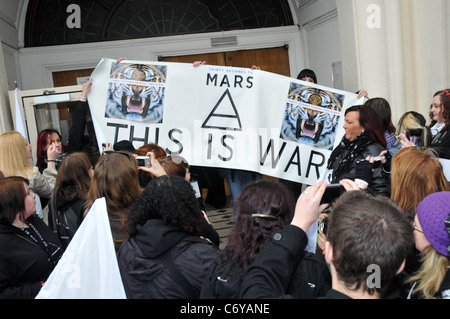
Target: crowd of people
(386, 236)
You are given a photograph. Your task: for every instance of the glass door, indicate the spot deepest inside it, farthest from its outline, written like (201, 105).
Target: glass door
(54, 108)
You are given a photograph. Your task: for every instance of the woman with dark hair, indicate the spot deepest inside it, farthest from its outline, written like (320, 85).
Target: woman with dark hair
(364, 137)
(69, 204)
(175, 165)
(116, 179)
(440, 123)
(263, 208)
(165, 257)
(307, 75)
(383, 109)
(178, 166)
(29, 250)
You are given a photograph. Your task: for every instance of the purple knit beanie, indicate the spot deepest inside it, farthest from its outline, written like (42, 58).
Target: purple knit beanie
(432, 212)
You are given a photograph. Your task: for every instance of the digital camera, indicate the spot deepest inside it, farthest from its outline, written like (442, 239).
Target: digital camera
(143, 161)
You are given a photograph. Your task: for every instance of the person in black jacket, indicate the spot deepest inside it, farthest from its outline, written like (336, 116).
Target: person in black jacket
(440, 123)
(48, 137)
(165, 256)
(29, 250)
(368, 240)
(263, 207)
(364, 136)
(69, 205)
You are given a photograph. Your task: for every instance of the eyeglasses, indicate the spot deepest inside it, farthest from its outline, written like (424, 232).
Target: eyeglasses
(413, 224)
(118, 152)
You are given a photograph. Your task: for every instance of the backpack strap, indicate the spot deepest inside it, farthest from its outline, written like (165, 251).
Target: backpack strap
(178, 276)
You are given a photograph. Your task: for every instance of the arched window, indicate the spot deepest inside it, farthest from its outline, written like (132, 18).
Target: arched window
(103, 20)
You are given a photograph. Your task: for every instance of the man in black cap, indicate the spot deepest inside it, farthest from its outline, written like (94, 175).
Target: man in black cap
(124, 145)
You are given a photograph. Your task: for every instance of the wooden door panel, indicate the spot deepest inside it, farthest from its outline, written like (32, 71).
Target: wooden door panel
(68, 78)
(210, 58)
(275, 60)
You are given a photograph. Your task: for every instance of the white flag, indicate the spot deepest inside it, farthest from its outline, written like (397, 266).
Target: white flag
(88, 268)
(446, 167)
(20, 122)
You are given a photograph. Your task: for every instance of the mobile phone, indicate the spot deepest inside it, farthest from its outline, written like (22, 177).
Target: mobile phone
(379, 158)
(323, 225)
(143, 161)
(196, 188)
(332, 192)
(377, 161)
(407, 134)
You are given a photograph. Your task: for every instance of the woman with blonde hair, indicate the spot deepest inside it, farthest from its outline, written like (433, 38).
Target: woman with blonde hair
(15, 160)
(433, 241)
(116, 179)
(419, 134)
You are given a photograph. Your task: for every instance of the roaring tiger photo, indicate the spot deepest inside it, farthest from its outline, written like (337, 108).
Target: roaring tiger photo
(312, 116)
(136, 92)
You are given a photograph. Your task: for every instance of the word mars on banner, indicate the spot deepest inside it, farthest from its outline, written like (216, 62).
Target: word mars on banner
(218, 116)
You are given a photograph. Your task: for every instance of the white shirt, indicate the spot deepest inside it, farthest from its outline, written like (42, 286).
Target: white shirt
(437, 128)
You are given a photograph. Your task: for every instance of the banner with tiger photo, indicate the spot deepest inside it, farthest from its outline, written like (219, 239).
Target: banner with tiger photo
(217, 116)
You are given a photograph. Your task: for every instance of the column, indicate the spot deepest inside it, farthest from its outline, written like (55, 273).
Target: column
(395, 49)
(6, 123)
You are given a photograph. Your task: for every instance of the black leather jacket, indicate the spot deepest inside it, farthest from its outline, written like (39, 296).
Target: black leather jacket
(380, 182)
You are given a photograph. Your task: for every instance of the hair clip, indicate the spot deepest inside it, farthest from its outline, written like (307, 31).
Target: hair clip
(264, 216)
(446, 93)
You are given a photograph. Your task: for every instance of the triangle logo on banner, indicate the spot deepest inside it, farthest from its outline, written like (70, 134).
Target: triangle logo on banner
(224, 116)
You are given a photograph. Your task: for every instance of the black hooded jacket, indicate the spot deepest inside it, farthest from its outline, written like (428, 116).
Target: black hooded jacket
(311, 279)
(143, 272)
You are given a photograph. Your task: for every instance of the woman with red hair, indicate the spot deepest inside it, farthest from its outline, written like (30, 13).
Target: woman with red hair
(48, 137)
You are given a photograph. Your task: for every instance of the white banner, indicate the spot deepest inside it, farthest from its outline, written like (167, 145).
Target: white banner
(88, 268)
(221, 116)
